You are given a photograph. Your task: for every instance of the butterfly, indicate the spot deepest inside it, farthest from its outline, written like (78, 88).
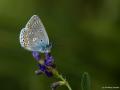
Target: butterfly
(34, 36)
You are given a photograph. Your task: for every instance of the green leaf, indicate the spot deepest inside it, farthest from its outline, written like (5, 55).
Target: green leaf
(85, 81)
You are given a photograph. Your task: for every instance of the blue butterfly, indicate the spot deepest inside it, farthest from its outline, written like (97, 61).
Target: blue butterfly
(34, 36)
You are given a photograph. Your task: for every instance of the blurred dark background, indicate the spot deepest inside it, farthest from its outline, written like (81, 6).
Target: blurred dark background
(86, 37)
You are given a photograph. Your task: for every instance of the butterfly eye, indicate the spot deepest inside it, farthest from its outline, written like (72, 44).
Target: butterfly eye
(41, 40)
(40, 30)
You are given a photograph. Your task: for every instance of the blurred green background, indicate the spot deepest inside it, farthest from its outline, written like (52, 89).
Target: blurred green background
(86, 37)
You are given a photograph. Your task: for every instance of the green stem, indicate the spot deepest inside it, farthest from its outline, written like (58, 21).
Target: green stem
(63, 79)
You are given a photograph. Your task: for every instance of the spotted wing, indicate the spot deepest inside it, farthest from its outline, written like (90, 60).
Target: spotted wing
(34, 37)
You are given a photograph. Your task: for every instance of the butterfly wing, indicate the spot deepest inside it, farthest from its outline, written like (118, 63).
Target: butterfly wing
(34, 37)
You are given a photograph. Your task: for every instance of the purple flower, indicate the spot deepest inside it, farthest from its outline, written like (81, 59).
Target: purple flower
(48, 73)
(49, 61)
(42, 67)
(47, 55)
(36, 55)
(45, 66)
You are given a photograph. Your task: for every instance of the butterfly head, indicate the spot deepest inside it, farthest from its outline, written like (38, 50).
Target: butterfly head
(46, 48)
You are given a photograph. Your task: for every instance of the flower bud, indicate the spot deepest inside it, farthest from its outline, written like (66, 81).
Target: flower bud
(42, 67)
(49, 61)
(57, 84)
(36, 55)
(38, 72)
